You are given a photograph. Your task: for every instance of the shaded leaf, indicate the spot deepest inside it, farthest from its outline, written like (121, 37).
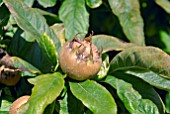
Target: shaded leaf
(165, 38)
(75, 17)
(69, 105)
(109, 43)
(165, 4)
(4, 16)
(94, 96)
(167, 102)
(94, 3)
(43, 95)
(34, 23)
(20, 63)
(131, 98)
(47, 3)
(29, 51)
(128, 12)
(151, 58)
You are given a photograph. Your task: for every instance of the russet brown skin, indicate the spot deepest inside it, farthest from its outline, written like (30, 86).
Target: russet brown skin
(9, 77)
(18, 103)
(80, 59)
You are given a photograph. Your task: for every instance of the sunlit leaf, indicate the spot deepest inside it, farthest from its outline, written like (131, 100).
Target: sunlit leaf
(149, 58)
(94, 3)
(75, 17)
(34, 23)
(47, 3)
(128, 12)
(109, 43)
(131, 98)
(165, 4)
(46, 89)
(29, 2)
(94, 96)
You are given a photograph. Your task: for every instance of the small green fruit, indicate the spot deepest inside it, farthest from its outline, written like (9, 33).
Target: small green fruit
(80, 59)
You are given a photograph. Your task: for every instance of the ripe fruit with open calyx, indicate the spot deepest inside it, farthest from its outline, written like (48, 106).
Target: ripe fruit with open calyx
(80, 59)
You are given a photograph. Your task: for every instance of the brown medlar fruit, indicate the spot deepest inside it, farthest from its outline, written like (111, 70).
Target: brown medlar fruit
(80, 59)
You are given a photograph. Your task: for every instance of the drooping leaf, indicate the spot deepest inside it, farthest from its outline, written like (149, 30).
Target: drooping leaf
(94, 96)
(131, 98)
(165, 4)
(146, 90)
(149, 58)
(109, 43)
(167, 102)
(69, 105)
(34, 23)
(20, 63)
(94, 3)
(46, 89)
(75, 17)
(128, 12)
(47, 3)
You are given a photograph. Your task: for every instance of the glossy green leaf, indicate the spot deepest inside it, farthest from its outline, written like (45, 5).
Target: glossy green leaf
(167, 102)
(131, 98)
(46, 89)
(94, 3)
(94, 96)
(69, 104)
(75, 17)
(34, 23)
(20, 63)
(151, 58)
(165, 4)
(128, 12)
(109, 43)
(47, 3)
(146, 90)
(151, 77)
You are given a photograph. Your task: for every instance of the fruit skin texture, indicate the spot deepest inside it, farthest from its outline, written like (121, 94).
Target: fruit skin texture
(18, 103)
(9, 77)
(80, 59)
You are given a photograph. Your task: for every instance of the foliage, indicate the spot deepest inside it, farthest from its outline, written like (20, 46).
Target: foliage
(133, 34)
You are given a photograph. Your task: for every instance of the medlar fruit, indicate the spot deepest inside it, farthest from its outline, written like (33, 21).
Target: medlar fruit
(80, 59)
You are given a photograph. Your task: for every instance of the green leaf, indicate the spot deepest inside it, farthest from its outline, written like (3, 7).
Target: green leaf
(69, 105)
(167, 102)
(131, 98)
(34, 23)
(165, 4)
(29, 2)
(165, 38)
(20, 63)
(47, 3)
(94, 96)
(145, 89)
(46, 89)
(5, 105)
(104, 68)
(4, 15)
(30, 52)
(109, 43)
(151, 77)
(94, 3)
(149, 58)
(75, 17)
(128, 12)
